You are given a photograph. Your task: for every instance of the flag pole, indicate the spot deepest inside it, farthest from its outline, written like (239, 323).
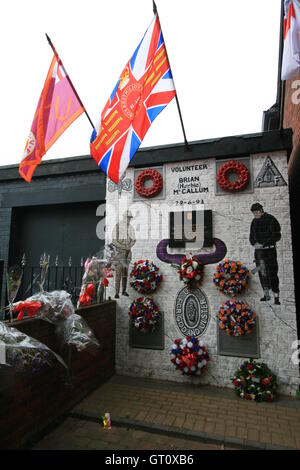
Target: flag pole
(72, 86)
(176, 97)
(281, 83)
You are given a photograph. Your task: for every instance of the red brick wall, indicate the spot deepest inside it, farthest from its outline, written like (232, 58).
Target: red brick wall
(29, 404)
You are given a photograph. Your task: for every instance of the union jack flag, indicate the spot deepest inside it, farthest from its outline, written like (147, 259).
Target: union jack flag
(143, 90)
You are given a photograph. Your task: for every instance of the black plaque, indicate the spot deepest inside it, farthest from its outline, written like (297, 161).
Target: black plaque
(239, 346)
(154, 340)
(179, 220)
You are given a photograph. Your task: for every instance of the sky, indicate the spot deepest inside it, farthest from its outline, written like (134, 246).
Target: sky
(223, 56)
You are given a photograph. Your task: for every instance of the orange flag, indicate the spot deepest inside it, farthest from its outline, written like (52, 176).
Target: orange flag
(57, 108)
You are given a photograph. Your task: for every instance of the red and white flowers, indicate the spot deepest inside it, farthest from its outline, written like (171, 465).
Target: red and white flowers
(189, 355)
(191, 272)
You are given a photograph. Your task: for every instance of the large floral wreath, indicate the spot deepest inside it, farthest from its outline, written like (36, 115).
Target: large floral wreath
(231, 277)
(144, 314)
(189, 355)
(144, 277)
(157, 183)
(191, 272)
(236, 318)
(224, 171)
(255, 381)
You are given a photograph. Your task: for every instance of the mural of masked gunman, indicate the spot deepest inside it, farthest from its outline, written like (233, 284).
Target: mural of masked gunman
(123, 239)
(264, 233)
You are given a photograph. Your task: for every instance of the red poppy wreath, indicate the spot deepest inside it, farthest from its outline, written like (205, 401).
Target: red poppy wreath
(157, 183)
(226, 169)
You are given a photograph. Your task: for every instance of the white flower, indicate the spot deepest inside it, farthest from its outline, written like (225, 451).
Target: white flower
(200, 352)
(174, 346)
(190, 344)
(193, 368)
(189, 270)
(186, 369)
(201, 344)
(195, 264)
(198, 277)
(177, 361)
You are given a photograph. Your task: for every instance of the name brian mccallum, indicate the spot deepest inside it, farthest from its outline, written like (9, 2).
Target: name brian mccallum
(176, 169)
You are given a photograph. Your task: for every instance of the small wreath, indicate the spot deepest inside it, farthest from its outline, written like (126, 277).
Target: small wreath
(144, 277)
(189, 355)
(233, 166)
(144, 314)
(231, 277)
(236, 318)
(191, 272)
(157, 183)
(255, 381)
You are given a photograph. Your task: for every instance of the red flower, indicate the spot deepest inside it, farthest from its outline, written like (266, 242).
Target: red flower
(105, 282)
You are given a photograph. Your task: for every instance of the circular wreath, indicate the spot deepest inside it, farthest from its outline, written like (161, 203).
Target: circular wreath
(191, 272)
(233, 166)
(231, 277)
(236, 318)
(144, 277)
(157, 183)
(189, 355)
(255, 381)
(144, 314)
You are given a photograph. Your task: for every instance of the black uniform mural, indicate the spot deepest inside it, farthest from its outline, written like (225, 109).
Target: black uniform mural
(264, 234)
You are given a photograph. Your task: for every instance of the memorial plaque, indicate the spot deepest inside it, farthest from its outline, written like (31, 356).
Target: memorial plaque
(183, 228)
(191, 312)
(239, 346)
(154, 340)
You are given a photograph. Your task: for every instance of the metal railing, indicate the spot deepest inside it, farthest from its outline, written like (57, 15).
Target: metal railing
(59, 277)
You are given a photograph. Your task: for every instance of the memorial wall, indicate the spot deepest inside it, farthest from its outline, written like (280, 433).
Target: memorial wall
(233, 216)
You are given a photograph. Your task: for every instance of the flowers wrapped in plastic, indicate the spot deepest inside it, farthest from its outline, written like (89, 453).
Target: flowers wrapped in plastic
(23, 353)
(74, 331)
(56, 307)
(14, 277)
(97, 272)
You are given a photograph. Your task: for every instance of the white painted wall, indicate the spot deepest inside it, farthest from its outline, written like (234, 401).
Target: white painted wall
(231, 223)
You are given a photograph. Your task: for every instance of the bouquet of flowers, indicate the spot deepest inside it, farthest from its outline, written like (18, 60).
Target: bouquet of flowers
(191, 271)
(97, 272)
(86, 297)
(236, 318)
(144, 314)
(74, 331)
(14, 277)
(189, 355)
(56, 307)
(231, 277)
(144, 277)
(255, 381)
(23, 353)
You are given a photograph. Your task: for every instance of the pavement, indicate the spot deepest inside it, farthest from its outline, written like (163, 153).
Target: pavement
(149, 414)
